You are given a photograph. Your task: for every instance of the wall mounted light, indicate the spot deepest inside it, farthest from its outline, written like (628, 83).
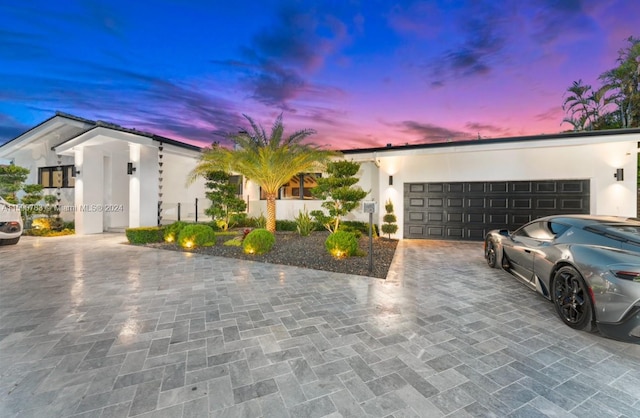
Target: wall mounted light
(130, 168)
(74, 171)
(619, 174)
(390, 180)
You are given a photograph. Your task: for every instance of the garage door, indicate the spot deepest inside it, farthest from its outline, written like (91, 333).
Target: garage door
(468, 210)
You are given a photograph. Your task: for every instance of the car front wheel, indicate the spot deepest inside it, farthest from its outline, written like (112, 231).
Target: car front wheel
(490, 253)
(571, 299)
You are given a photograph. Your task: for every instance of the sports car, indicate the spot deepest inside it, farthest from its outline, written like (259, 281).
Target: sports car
(10, 223)
(587, 265)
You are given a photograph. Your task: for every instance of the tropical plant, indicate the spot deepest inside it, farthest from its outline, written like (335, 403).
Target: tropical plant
(389, 226)
(304, 223)
(624, 82)
(225, 204)
(616, 104)
(270, 161)
(339, 192)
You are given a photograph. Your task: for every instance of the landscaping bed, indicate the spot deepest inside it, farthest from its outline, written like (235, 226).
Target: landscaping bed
(309, 252)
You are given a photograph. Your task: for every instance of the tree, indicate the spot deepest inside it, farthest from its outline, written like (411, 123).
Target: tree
(389, 226)
(339, 193)
(624, 82)
(12, 178)
(267, 160)
(33, 194)
(225, 203)
(586, 107)
(616, 104)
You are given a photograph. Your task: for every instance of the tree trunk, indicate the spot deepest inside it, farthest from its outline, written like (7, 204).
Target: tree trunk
(271, 213)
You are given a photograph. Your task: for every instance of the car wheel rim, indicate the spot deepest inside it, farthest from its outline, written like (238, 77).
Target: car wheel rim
(491, 254)
(570, 297)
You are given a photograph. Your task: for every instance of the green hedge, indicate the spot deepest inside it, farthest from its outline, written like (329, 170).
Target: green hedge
(145, 234)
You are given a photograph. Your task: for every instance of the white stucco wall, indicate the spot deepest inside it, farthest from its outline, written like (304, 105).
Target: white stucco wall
(176, 188)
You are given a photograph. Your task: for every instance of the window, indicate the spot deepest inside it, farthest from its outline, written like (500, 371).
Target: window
(545, 231)
(298, 188)
(237, 180)
(56, 177)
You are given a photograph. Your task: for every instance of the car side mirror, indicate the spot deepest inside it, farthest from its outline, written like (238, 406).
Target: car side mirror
(505, 232)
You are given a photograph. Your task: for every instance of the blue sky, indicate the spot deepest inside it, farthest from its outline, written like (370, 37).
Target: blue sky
(361, 73)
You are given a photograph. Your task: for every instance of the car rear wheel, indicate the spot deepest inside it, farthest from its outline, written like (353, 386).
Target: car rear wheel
(571, 299)
(490, 253)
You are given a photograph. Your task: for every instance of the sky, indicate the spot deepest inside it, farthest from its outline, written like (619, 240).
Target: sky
(361, 74)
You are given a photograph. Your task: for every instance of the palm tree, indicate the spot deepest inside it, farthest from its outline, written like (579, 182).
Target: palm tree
(576, 103)
(269, 161)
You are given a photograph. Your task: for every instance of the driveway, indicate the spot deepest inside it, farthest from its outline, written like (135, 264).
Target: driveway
(92, 327)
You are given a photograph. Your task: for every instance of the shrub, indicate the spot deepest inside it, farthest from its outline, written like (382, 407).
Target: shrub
(258, 241)
(353, 230)
(260, 222)
(286, 225)
(50, 223)
(145, 234)
(194, 235)
(341, 244)
(363, 227)
(172, 231)
(48, 232)
(304, 223)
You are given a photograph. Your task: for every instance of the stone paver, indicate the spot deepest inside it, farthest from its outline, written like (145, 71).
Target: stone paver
(92, 327)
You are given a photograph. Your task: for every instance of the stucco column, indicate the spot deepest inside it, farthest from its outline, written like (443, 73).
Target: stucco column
(89, 190)
(143, 186)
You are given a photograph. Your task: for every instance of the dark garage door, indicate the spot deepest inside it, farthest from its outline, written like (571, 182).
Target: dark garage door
(468, 210)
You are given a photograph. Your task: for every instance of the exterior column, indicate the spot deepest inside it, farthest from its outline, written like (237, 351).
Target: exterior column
(89, 191)
(143, 186)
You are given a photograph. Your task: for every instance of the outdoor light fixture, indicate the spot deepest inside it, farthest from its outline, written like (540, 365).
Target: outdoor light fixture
(74, 171)
(390, 180)
(130, 168)
(619, 174)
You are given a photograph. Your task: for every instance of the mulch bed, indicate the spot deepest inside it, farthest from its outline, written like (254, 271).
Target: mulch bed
(308, 252)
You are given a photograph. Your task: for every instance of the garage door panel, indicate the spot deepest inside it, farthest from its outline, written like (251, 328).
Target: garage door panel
(468, 210)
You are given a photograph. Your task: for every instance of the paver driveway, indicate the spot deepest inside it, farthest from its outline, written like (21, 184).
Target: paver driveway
(90, 327)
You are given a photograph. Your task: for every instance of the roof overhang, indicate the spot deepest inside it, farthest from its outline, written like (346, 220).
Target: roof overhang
(55, 125)
(105, 136)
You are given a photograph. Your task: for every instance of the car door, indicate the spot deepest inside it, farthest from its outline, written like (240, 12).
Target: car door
(526, 243)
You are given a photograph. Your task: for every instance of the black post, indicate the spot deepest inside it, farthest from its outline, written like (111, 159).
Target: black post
(196, 210)
(370, 242)
(178, 210)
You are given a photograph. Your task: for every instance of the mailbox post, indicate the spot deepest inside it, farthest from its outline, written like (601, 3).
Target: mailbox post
(370, 207)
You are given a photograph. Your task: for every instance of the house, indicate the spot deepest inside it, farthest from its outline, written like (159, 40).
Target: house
(108, 178)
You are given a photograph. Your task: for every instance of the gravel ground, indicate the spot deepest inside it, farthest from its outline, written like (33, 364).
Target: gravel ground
(309, 252)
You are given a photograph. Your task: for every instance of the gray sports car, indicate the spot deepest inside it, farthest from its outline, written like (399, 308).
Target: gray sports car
(588, 266)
